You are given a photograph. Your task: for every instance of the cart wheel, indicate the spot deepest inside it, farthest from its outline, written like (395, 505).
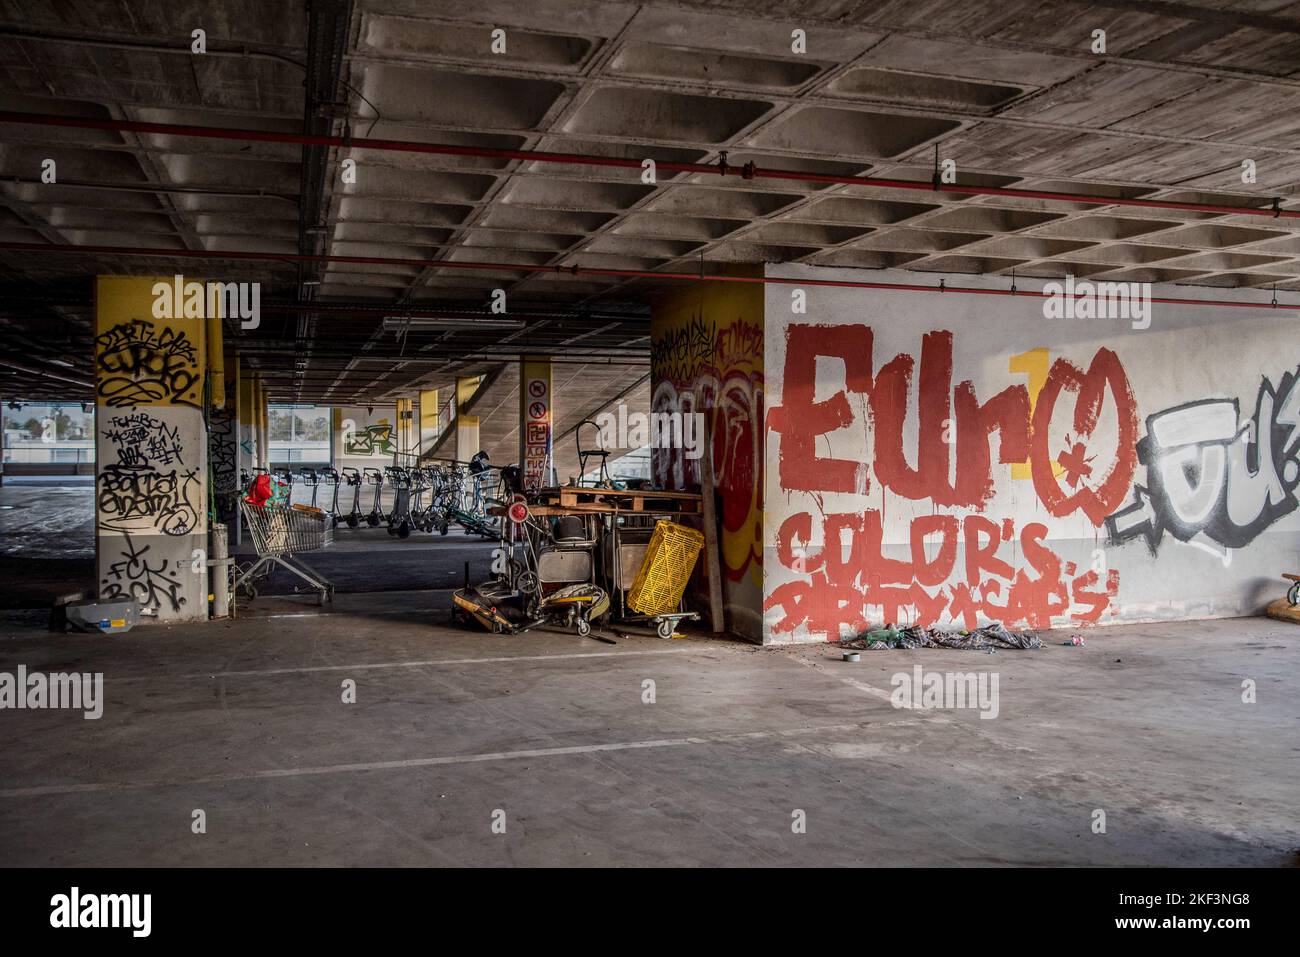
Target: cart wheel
(1293, 594)
(373, 520)
(404, 530)
(584, 627)
(665, 628)
(442, 529)
(251, 591)
(352, 521)
(527, 582)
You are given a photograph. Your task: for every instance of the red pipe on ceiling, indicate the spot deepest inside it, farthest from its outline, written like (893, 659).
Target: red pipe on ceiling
(748, 171)
(581, 271)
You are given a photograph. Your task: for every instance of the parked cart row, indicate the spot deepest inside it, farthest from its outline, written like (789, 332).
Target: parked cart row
(404, 499)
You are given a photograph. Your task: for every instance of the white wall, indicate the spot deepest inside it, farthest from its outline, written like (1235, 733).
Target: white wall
(1215, 540)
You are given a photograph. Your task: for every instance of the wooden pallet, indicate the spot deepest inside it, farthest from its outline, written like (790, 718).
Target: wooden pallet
(630, 500)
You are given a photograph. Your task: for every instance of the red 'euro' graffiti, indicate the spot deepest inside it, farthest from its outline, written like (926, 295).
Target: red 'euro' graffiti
(952, 423)
(954, 469)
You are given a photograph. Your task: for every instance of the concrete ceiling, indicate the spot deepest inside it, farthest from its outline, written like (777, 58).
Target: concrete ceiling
(1009, 91)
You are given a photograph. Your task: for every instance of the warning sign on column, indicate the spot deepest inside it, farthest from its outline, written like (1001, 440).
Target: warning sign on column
(535, 428)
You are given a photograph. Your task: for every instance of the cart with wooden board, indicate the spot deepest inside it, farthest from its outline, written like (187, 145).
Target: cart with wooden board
(645, 556)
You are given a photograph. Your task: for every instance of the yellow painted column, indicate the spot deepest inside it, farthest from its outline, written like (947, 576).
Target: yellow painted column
(536, 420)
(428, 419)
(467, 440)
(151, 452)
(247, 420)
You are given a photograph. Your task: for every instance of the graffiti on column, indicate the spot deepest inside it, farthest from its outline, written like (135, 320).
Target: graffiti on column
(1212, 478)
(951, 566)
(143, 363)
(148, 487)
(151, 580)
(716, 368)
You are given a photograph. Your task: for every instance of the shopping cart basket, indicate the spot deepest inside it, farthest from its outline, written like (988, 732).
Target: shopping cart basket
(280, 532)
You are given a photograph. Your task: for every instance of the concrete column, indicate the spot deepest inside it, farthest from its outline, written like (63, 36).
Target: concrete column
(247, 412)
(708, 358)
(467, 441)
(428, 419)
(151, 452)
(536, 421)
(263, 424)
(405, 431)
(223, 439)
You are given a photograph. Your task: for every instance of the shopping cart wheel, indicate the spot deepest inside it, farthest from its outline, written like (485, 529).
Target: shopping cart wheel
(404, 530)
(373, 520)
(665, 628)
(584, 627)
(250, 590)
(442, 529)
(352, 521)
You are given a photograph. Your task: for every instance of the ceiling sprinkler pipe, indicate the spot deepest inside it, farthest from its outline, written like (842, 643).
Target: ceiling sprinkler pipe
(45, 373)
(750, 171)
(942, 287)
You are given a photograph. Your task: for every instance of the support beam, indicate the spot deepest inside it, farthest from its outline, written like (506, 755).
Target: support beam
(467, 439)
(151, 452)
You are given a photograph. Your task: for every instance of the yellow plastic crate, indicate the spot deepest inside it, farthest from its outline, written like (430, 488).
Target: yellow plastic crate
(664, 571)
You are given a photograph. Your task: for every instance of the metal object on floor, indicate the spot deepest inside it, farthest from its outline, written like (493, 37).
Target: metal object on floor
(280, 532)
(222, 566)
(104, 617)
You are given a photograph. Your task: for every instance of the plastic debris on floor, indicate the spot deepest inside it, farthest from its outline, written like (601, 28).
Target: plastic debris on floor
(988, 638)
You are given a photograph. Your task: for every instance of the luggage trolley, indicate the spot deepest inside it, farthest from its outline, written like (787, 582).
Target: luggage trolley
(280, 532)
(554, 584)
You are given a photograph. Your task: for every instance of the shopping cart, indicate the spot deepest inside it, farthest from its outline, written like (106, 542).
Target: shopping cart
(280, 532)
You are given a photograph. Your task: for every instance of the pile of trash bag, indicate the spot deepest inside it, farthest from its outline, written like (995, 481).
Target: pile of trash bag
(995, 636)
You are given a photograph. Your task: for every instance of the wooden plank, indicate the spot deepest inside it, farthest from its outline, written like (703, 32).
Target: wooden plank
(712, 555)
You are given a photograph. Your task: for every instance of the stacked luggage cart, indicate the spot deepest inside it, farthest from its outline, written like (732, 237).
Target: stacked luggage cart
(581, 556)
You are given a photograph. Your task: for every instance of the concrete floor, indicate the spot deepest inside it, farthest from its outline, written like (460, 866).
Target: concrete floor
(245, 721)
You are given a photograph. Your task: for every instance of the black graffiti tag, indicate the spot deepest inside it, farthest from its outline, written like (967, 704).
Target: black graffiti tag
(148, 484)
(1208, 474)
(135, 576)
(679, 352)
(141, 363)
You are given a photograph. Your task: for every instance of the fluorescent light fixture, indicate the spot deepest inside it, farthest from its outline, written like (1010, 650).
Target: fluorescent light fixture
(401, 323)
